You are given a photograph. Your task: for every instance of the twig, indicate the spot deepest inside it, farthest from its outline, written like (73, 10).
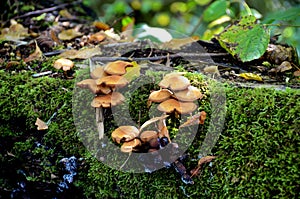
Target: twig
(37, 12)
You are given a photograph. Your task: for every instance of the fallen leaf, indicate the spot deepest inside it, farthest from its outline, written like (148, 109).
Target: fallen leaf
(250, 76)
(202, 161)
(36, 55)
(15, 32)
(297, 73)
(69, 34)
(132, 72)
(101, 26)
(196, 119)
(176, 44)
(41, 125)
(284, 66)
(81, 54)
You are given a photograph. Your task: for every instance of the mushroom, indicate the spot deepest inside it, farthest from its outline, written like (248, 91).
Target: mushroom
(117, 67)
(109, 100)
(172, 105)
(175, 82)
(112, 81)
(160, 95)
(189, 94)
(94, 88)
(124, 134)
(146, 136)
(64, 64)
(130, 146)
(97, 73)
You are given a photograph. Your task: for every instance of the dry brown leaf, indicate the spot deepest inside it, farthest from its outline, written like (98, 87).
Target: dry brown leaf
(81, 54)
(202, 161)
(41, 125)
(36, 55)
(15, 32)
(69, 34)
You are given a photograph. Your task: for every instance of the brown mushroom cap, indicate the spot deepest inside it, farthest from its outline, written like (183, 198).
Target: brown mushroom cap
(124, 134)
(171, 105)
(112, 81)
(117, 67)
(63, 63)
(160, 95)
(129, 146)
(98, 73)
(91, 84)
(146, 136)
(189, 94)
(175, 82)
(108, 100)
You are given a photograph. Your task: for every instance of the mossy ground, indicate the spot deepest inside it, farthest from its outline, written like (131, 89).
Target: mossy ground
(257, 152)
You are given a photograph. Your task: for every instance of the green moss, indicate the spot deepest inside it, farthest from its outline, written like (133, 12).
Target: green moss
(257, 152)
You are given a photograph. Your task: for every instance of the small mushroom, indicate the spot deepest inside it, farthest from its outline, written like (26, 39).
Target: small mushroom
(64, 64)
(146, 136)
(108, 100)
(189, 94)
(130, 146)
(94, 88)
(117, 67)
(112, 81)
(124, 134)
(175, 82)
(160, 95)
(97, 73)
(172, 105)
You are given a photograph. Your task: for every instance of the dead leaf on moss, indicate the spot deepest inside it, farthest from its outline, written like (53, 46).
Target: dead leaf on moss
(41, 125)
(69, 34)
(15, 32)
(81, 54)
(36, 55)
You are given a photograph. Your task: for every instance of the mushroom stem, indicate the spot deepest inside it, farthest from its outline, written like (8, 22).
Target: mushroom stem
(100, 122)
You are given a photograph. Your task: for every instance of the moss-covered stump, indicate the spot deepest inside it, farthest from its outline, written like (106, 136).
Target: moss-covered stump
(257, 152)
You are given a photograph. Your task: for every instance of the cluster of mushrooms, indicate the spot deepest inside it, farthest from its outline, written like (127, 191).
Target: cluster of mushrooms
(175, 95)
(103, 83)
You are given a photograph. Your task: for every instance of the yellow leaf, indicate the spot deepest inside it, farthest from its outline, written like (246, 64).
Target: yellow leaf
(132, 72)
(69, 34)
(250, 76)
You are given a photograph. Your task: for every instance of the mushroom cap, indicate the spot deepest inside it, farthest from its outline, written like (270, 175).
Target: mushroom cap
(175, 82)
(129, 146)
(108, 100)
(146, 136)
(63, 63)
(117, 67)
(171, 105)
(112, 81)
(98, 73)
(189, 94)
(91, 84)
(124, 134)
(160, 95)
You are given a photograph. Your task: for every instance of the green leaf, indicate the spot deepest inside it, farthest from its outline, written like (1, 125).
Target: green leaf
(246, 40)
(285, 15)
(215, 10)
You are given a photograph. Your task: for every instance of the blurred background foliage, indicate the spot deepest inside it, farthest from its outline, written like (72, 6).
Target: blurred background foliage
(203, 18)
